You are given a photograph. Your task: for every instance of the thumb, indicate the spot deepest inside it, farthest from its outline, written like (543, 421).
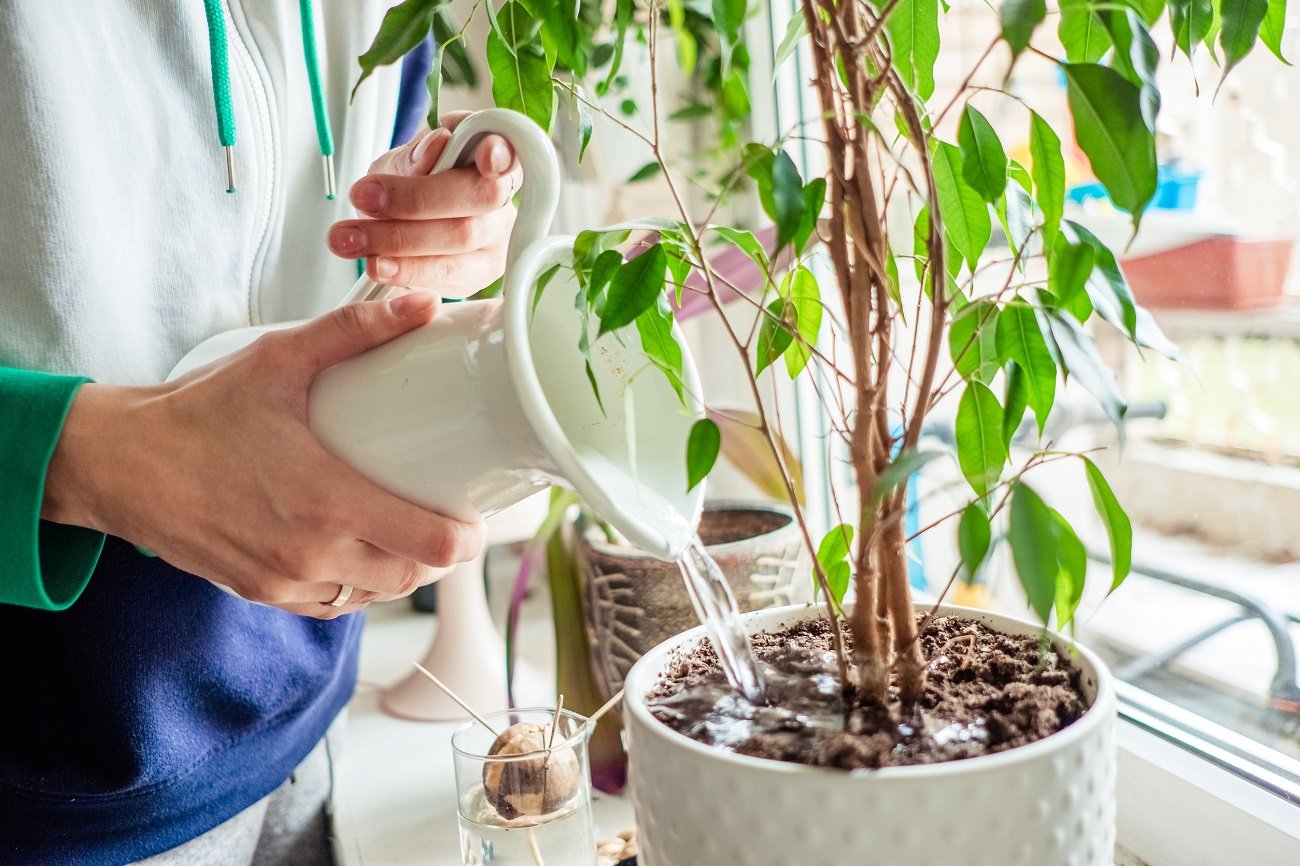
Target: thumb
(355, 328)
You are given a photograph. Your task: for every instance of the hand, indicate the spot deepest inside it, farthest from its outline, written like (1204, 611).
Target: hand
(445, 232)
(219, 474)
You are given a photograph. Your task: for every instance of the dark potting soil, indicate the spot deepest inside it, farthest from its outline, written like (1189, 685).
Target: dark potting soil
(985, 692)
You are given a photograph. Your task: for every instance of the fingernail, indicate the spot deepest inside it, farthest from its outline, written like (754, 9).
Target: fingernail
(347, 240)
(369, 196)
(412, 304)
(427, 142)
(499, 159)
(385, 268)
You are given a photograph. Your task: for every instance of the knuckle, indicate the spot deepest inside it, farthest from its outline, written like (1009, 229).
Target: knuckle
(410, 579)
(464, 233)
(352, 320)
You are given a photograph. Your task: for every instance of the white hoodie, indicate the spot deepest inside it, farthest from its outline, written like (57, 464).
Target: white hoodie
(122, 248)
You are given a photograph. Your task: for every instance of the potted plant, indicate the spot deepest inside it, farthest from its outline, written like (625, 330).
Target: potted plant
(894, 306)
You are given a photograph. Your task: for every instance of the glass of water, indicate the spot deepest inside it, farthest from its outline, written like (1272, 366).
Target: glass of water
(524, 790)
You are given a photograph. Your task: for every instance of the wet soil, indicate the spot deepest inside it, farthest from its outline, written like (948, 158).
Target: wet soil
(985, 692)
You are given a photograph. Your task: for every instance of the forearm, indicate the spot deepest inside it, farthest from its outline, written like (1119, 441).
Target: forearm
(44, 563)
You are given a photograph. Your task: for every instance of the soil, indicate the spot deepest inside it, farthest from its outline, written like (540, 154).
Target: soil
(985, 692)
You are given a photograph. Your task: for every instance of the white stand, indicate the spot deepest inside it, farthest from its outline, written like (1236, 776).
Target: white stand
(467, 653)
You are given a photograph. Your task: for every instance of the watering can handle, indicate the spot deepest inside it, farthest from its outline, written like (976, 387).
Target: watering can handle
(538, 197)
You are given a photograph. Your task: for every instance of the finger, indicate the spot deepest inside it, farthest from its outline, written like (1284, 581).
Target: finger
(353, 329)
(453, 119)
(451, 276)
(494, 157)
(452, 193)
(368, 237)
(417, 156)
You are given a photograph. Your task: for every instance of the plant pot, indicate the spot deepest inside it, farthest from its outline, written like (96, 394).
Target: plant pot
(633, 602)
(1050, 803)
(1217, 273)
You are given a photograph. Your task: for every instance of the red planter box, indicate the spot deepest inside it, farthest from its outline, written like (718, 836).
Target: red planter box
(1218, 273)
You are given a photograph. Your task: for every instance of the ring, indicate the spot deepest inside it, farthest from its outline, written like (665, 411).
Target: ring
(345, 592)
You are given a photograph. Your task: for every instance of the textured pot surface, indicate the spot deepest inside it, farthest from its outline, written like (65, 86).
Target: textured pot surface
(1051, 803)
(632, 602)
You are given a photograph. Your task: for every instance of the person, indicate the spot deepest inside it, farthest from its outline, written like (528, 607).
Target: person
(161, 167)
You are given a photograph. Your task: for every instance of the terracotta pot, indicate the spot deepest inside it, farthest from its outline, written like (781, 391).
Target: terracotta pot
(1050, 803)
(1218, 273)
(632, 601)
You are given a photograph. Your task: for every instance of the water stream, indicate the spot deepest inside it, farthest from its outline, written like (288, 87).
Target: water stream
(715, 605)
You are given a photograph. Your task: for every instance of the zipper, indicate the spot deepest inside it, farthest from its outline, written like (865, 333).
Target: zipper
(264, 151)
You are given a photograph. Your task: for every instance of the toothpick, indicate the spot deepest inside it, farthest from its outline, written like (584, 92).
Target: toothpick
(609, 705)
(533, 849)
(555, 724)
(455, 697)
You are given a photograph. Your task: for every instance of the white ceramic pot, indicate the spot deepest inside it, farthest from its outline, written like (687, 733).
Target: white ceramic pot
(489, 402)
(1051, 803)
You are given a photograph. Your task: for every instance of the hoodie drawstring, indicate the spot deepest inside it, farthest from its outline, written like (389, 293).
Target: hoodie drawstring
(219, 57)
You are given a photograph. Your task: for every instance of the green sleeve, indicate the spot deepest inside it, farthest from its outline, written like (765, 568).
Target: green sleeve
(42, 565)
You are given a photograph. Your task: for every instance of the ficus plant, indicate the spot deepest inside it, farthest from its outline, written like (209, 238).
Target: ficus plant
(892, 298)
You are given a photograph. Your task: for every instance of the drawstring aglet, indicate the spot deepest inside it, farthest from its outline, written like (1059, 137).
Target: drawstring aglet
(327, 164)
(230, 168)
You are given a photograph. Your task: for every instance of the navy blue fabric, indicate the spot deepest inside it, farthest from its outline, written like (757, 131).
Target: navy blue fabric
(153, 709)
(413, 97)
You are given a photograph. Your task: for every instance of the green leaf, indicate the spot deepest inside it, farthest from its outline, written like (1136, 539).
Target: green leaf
(1033, 549)
(1069, 268)
(634, 289)
(974, 535)
(1116, 521)
(404, 27)
(1111, 129)
(972, 341)
(521, 78)
(1016, 214)
(913, 29)
(1190, 21)
(1241, 23)
(900, 470)
(543, 281)
(1020, 174)
(1081, 360)
(1019, 20)
(805, 296)
(645, 172)
(838, 577)
(1270, 33)
(965, 215)
(1048, 172)
(560, 33)
(655, 326)
(814, 198)
(623, 10)
(602, 274)
(701, 451)
(585, 125)
(980, 449)
(1020, 340)
(787, 198)
(1017, 402)
(774, 334)
(595, 387)
(1082, 32)
(1072, 569)
(1136, 57)
(795, 31)
(457, 68)
(835, 546)
(746, 243)
(729, 18)
(984, 162)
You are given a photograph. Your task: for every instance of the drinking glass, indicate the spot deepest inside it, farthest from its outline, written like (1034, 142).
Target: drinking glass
(529, 804)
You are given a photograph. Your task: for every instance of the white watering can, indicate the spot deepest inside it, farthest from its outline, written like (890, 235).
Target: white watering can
(489, 402)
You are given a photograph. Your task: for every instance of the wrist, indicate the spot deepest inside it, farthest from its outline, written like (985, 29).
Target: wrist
(74, 479)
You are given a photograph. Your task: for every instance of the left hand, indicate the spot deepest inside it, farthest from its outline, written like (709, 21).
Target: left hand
(445, 232)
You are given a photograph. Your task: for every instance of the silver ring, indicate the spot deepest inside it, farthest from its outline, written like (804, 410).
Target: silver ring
(345, 592)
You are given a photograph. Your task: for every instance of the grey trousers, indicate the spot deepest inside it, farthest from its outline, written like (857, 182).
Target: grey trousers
(289, 827)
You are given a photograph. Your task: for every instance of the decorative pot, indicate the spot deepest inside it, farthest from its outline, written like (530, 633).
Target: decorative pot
(1050, 803)
(488, 403)
(1217, 273)
(632, 602)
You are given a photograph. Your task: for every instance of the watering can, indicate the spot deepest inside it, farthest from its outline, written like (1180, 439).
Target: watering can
(490, 402)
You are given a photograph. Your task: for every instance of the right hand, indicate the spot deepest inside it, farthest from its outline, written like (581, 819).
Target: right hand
(218, 474)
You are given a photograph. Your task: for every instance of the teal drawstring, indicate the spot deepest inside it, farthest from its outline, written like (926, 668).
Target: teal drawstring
(219, 57)
(324, 138)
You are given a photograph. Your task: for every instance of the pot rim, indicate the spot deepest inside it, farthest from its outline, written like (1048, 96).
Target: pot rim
(752, 505)
(1101, 711)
